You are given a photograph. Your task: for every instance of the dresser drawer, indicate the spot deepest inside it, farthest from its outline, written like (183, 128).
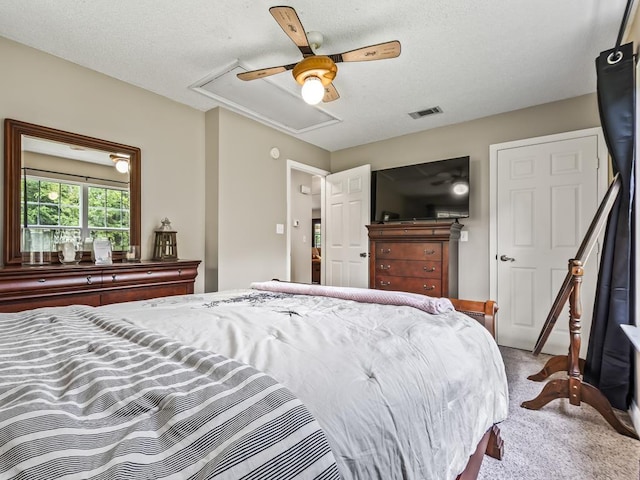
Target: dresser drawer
(48, 282)
(53, 300)
(409, 250)
(408, 231)
(140, 277)
(409, 268)
(144, 293)
(425, 286)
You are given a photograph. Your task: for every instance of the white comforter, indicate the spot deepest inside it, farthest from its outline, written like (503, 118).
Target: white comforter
(400, 393)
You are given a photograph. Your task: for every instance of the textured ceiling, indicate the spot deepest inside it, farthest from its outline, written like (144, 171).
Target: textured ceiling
(472, 59)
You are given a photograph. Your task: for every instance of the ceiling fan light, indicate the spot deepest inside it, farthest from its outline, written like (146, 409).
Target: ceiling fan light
(122, 166)
(312, 90)
(460, 188)
(121, 163)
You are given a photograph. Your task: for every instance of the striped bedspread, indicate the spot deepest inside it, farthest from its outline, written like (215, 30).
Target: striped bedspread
(84, 394)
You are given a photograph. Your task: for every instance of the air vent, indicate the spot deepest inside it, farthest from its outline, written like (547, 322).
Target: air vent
(425, 112)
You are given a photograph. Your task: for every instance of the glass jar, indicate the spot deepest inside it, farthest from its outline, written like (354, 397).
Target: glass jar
(36, 246)
(69, 253)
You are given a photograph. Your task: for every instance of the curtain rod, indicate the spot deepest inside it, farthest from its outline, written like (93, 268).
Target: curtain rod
(85, 177)
(623, 27)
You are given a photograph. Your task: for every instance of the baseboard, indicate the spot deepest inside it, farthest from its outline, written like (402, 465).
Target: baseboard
(633, 332)
(634, 413)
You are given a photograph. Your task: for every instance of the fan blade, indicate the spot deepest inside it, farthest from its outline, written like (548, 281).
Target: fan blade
(288, 20)
(330, 93)
(372, 52)
(264, 72)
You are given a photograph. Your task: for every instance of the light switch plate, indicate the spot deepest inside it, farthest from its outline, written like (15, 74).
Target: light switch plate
(464, 236)
(279, 228)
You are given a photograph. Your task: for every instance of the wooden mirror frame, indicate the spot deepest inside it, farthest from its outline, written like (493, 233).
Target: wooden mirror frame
(13, 132)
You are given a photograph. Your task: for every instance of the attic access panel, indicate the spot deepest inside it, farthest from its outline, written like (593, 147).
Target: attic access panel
(263, 100)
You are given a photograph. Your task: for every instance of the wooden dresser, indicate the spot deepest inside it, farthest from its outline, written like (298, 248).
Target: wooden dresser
(27, 287)
(415, 257)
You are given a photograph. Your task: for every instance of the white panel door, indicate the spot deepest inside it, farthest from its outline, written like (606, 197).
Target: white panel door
(347, 211)
(547, 195)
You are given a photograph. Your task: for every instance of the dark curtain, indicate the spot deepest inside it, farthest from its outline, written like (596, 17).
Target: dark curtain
(609, 362)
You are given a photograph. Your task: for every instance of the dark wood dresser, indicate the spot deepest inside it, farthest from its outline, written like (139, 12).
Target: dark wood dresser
(27, 287)
(416, 257)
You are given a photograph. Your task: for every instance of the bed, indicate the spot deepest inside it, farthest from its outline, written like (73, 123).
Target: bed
(261, 383)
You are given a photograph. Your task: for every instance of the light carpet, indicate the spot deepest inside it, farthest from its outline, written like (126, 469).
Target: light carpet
(559, 441)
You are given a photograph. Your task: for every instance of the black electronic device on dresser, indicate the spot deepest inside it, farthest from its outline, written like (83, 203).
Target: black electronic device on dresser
(428, 191)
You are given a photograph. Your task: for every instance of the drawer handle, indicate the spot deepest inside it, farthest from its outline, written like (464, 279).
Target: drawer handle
(385, 267)
(113, 277)
(89, 281)
(149, 272)
(384, 284)
(427, 287)
(179, 271)
(429, 252)
(432, 269)
(42, 280)
(385, 250)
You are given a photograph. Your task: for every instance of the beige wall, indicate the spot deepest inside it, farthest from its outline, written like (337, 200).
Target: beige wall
(473, 138)
(633, 30)
(252, 198)
(39, 88)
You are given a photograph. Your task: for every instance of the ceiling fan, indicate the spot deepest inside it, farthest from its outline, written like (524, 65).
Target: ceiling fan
(316, 72)
(447, 177)
(458, 181)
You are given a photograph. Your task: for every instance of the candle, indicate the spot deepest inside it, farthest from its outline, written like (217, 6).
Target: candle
(68, 252)
(133, 254)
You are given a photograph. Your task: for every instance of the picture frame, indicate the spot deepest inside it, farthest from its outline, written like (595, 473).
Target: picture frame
(101, 252)
(388, 216)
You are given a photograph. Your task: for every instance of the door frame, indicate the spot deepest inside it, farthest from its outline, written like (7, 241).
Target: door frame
(602, 179)
(293, 165)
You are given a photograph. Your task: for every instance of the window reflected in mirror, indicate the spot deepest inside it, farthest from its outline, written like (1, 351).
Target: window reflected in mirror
(77, 194)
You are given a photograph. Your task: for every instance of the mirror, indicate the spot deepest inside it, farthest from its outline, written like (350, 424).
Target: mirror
(73, 189)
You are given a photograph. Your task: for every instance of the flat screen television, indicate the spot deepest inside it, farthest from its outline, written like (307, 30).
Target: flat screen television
(425, 191)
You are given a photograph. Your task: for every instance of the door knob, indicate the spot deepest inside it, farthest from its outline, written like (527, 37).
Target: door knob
(504, 258)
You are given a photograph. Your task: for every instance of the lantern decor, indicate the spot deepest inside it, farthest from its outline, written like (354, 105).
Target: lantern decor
(165, 245)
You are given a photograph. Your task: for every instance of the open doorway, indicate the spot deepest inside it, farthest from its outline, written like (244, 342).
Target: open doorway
(316, 251)
(305, 221)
